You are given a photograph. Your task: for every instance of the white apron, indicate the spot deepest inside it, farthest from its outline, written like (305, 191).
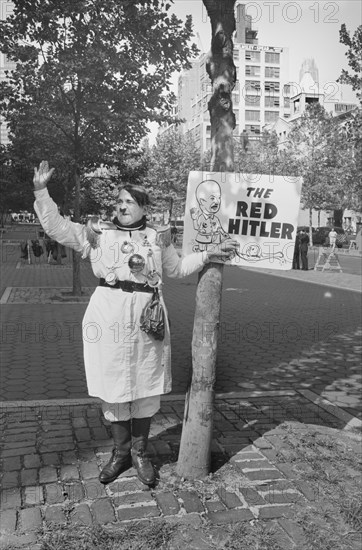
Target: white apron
(122, 363)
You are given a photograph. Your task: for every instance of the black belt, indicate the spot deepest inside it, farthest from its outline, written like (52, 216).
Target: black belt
(127, 286)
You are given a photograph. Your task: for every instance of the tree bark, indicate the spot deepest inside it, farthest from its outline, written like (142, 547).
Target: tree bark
(194, 459)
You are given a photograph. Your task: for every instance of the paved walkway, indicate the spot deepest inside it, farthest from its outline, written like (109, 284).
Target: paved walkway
(289, 351)
(52, 454)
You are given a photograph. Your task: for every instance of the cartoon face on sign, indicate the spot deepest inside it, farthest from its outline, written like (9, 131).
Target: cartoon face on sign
(208, 195)
(205, 222)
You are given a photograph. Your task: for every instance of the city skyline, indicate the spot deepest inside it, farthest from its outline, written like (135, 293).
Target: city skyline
(310, 30)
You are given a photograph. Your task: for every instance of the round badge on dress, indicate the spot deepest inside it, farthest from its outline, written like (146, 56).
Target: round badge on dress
(127, 247)
(111, 279)
(136, 263)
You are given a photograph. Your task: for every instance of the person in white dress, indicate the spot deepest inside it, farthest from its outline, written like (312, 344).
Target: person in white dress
(126, 367)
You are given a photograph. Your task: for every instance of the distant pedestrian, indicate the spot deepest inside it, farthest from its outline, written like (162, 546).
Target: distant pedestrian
(296, 255)
(174, 233)
(304, 243)
(332, 238)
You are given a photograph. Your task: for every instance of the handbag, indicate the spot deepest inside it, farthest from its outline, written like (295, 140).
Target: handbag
(153, 318)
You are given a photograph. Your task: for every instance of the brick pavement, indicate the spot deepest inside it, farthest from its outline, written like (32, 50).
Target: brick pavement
(52, 454)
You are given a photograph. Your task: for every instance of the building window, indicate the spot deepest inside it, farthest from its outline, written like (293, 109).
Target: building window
(252, 56)
(271, 116)
(286, 90)
(236, 54)
(272, 87)
(271, 101)
(252, 115)
(287, 102)
(251, 70)
(272, 72)
(252, 101)
(252, 86)
(251, 129)
(271, 57)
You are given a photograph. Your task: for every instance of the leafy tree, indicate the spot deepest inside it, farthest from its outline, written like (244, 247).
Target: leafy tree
(354, 55)
(351, 130)
(13, 199)
(319, 153)
(170, 160)
(261, 156)
(89, 75)
(99, 188)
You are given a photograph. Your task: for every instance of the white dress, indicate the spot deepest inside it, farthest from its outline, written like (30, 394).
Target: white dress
(122, 362)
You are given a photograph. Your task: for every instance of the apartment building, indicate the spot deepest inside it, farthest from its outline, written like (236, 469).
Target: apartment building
(261, 94)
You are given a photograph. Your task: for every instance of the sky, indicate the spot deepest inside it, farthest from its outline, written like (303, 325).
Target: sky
(309, 28)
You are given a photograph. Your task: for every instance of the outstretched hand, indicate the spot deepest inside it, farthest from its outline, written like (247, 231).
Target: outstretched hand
(42, 175)
(224, 251)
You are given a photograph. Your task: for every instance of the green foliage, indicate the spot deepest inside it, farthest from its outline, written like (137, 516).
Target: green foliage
(99, 187)
(171, 159)
(89, 75)
(318, 151)
(259, 156)
(354, 56)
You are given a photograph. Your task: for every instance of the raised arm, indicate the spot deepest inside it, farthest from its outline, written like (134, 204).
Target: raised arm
(61, 230)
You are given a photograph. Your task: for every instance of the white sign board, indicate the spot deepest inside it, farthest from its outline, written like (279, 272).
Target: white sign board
(260, 211)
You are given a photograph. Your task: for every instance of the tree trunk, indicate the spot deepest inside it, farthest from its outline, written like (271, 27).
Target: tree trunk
(195, 450)
(77, 285)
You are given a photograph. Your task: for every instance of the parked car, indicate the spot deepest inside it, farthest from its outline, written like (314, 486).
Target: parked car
(320, 236)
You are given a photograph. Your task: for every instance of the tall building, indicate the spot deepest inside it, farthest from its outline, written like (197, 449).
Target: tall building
(261, 93)
(6, 9)
(304, 94)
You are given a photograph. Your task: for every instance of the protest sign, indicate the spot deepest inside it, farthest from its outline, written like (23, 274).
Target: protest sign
(259, 211)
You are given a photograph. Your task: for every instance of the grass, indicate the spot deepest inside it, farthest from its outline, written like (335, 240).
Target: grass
(155, 536)
(333, 458)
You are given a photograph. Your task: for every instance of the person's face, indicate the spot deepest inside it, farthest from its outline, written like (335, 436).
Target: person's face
(210, 203)
(128, 210)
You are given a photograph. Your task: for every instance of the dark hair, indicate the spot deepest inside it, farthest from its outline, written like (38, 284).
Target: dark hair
(138, 193)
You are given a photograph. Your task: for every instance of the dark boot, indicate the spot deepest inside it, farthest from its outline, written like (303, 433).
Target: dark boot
(120, 460)
(143, 465)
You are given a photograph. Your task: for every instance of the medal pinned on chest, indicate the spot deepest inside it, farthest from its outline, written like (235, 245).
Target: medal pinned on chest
(127, 247)
(136, 263)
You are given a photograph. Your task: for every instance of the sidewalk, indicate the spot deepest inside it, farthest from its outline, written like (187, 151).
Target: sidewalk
(52, 453)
